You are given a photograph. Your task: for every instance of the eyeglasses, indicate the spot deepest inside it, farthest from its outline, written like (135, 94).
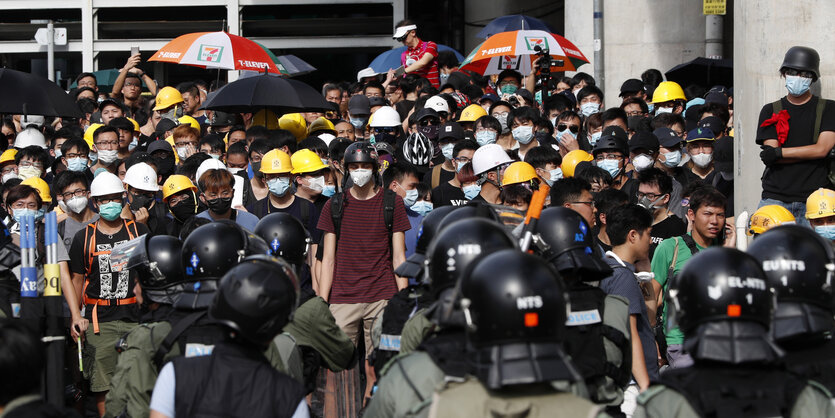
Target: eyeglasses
(76, 193)
(635, 113)
(384, 130)
(500, 114)
(608, 156)
(650, 196)
(23, 205)
(27, 164)
(132, 84)
(107, 143)
(176, 200)
(106, 200)
(74, 155)
(590, 203)
(184, 143)
(148, 194)
(807, 74)
(573, 128)
(429, 122)
(7, 169)
(462, 160)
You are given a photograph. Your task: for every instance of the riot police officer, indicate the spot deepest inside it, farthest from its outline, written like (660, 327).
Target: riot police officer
(722, 303)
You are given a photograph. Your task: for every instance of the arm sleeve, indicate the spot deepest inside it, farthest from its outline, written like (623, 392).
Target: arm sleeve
(62, 250)
(76, 254)
(828, 119)
(162, 400)
(767, 132)
(431, 48)
(660, 264)
(401, 220)
(312, 225)
(325, 222)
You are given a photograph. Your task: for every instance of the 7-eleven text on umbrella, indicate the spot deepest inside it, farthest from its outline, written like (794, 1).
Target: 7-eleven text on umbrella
(496, 50)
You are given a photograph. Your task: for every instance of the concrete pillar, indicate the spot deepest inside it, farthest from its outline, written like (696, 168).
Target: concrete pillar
(87, 33)
(763, 31)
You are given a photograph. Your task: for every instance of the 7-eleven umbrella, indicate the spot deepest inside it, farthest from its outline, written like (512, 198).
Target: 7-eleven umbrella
(516, 50)
(219, 50)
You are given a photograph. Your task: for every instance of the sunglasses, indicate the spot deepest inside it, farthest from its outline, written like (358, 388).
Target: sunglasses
(429, 121)
(573, 128)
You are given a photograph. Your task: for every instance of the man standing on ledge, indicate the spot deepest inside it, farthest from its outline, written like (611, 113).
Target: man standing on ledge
(420, 57)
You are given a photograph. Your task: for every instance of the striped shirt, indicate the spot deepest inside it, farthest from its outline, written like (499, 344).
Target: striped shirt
(363, 272)
(429, 71)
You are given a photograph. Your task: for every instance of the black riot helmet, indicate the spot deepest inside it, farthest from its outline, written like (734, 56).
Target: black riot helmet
(157, 261)
(720, 284)
(568, 244)
(799, 266)
(802, 58)
(360, 152)
(256, 299)
(469, 211)
(285, 235)
(429, 227)
(457, 245)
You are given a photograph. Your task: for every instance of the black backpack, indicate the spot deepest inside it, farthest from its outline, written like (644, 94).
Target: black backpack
(402, 306)
(338, 204)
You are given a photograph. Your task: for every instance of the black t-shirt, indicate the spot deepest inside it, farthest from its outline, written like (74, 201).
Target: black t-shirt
(103, 283)
(673, 226)
(444, 177)
(794, 182)
(403, 108)
(310, 219)
(447, 194)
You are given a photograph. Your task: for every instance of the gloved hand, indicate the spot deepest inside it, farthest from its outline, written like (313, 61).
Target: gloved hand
(770, 155)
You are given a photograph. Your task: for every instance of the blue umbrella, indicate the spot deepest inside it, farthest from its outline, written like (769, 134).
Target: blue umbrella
(390, 59)
(513, 22)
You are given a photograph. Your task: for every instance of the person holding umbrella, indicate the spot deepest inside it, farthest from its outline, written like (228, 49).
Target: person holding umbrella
(421, 57)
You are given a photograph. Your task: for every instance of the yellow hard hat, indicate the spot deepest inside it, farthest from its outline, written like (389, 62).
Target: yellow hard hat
(8, 155)
(135, 124)
(276, 162)
(768, 217)
(266, 118)
(40, 185)
(176, 183)
(820, 204)
(471, 113)
(188, 120)
(570, 161)
(88, 134)
(294, 122)
(322, 124)
(306, 161)
(667, 91)
(518, 172)
(167, 97)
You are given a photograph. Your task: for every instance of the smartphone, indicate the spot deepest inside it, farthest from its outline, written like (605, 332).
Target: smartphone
(134, 50)
(400, 71)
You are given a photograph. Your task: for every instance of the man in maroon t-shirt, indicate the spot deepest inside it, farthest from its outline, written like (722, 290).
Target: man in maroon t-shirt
(421, 57)
(357, 276)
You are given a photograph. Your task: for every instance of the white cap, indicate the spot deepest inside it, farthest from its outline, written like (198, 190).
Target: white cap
(29, 137)
(36, 120)
(403, 30)
(366, 72)
(327, 138)
(210, 164)
(488, 157)
(385, 117)
(106, 183)
(143, 177)
(437, 103)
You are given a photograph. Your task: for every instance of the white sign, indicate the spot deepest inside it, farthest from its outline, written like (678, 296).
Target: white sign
(42, 38)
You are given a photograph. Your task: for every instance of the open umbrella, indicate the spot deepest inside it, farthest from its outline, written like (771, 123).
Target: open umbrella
(278, 94)
(217, 50)
(391, 59)
(28, 94)
(288, 65)
(706, 72)
(516, 50)
(513, 22)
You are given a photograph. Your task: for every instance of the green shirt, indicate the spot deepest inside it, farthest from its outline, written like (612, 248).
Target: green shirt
(661, 261)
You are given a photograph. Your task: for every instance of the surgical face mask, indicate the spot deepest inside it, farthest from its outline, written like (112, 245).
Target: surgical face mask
(590, 108)
(503, 121)
(566, 131)
(594, 138)
(485, 137)
(642, 162)
(77, 164)
(443, 77)
(797, 85)
(423, 207)
(671, 159)
(18, 214)
(279, 185)
(110, 211)
(317, 184)
(662, 110)
(651, 108)
(612, 166)
(361, 176)
(215, 156)
(8, 176)
(108, 156)
(508, 89)
(446, 149)
(458, 166)
(329, 190)
(63, 206)
(554, 122)
(28, 172)
(76, 204)
(555, 174)
(181, 152)
(357, 123)
(58, 153)
(471, 191)
(411, 197)
(825, 231)
(701, 160)
(523, 134)
(93, 156)
(133, 144)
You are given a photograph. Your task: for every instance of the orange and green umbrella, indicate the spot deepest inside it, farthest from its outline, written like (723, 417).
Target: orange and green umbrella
(516, 50)
(217, 50)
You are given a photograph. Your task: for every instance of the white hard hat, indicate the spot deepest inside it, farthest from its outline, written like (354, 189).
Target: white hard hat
(365, 72)
(29, 137)
(488, 157)
(437, 103)
(385, 117)
(106, 183)
(142, 176)
(210, 164)
(37, 120)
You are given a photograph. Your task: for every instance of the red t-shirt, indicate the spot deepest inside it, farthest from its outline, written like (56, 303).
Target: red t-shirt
(430, 71)
(363, 271)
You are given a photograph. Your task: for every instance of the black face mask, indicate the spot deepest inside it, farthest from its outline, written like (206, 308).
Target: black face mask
(165, 166)
(385, 137)
(184, 211)
(219, 205)
(140, 201)
(431, 131)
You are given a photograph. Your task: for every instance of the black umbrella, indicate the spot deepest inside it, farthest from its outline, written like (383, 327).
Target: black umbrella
(27, 94)
(706, 72)
(266, 92)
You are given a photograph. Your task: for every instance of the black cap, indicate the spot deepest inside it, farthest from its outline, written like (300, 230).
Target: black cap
(525, 94)
(451, 130)
(717, 97)
(667, 138)
(425, 113)
(644, 140)
(713, 123)
(631, 86)
(165, 124)
(358, 104)
(159, 145)
(222, 119)
(113, 102)
(615, 131)
(377, 101)
(723, 154)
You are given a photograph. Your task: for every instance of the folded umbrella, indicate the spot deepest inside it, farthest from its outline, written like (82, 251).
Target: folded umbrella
(266, 92)
(28, 94)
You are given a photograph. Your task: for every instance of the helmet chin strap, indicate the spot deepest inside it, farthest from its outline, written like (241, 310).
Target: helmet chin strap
(732, 342)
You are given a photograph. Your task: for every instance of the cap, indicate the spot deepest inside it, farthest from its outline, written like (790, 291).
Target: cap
(458, 80)
(700, 134)
(631, 86)
(615, 131)
(159, 145)
(359, 105)
(437, 103)
(110, 101)
(402, 31)
(694, 102)
(713, 123)
(491, 97)
(723, 155)
(222, 119)
(384, 147)
(719, 89)
(165, 125)
(365, 72)
(425, 113)
(525, 94)
(451, 130)
(377, 101)
(643, 140)
(667, 138)
(717, 97)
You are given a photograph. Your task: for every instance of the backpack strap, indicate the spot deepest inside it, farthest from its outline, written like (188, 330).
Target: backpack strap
(818, 117)
(436, 176)
(690, 244)
(777, 106)
(621, 375)
(337, 208)
(304, 208)
(178, 329)
(672, 268)
(388, 211)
